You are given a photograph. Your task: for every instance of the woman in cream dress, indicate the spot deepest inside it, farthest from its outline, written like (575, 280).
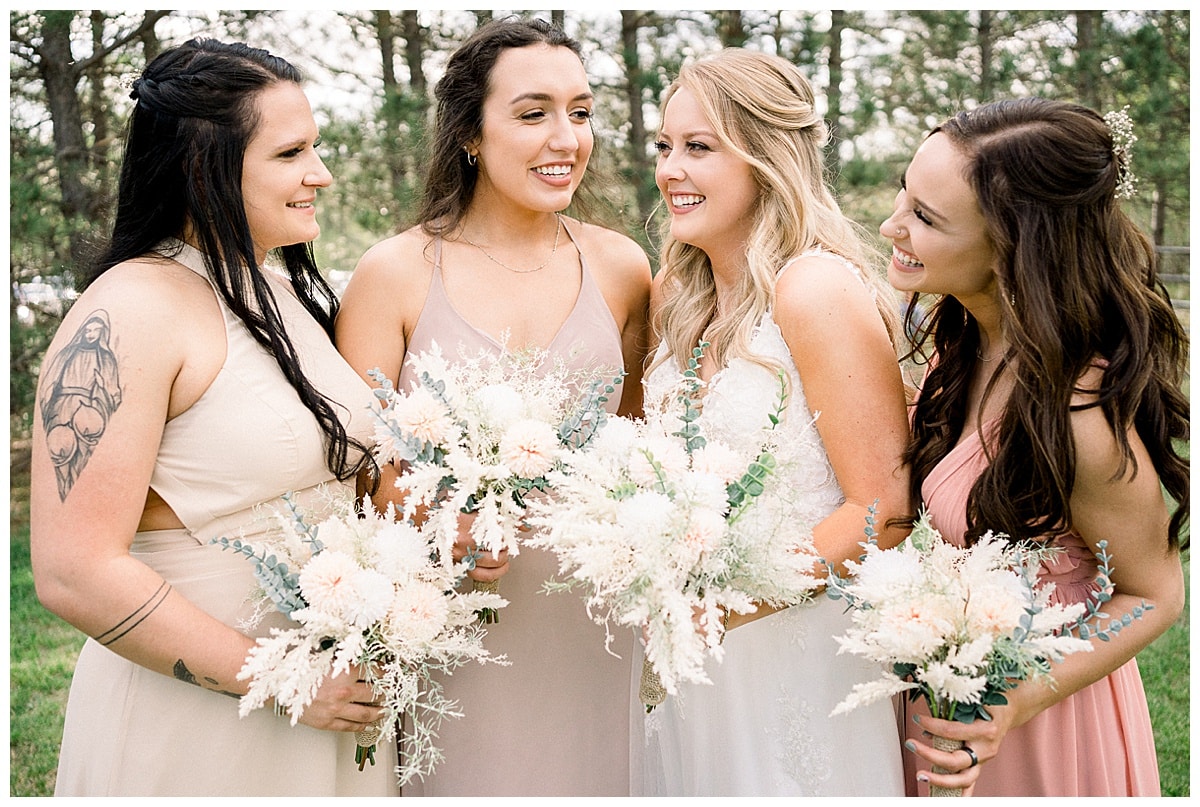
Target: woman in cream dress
(214, 389)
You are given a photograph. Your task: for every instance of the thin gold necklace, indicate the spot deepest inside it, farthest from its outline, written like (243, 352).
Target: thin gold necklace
(544, 264)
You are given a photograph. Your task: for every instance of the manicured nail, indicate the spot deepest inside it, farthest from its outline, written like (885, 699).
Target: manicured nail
(922, 777)
(917, 719)
(910, 745)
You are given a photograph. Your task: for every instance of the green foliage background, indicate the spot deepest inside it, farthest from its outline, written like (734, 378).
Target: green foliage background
(886, 77)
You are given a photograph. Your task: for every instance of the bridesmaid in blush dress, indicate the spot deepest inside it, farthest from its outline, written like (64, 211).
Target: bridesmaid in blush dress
(1049, 412)
(492, 258)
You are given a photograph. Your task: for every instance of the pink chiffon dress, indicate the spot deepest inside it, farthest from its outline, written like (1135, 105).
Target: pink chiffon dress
(555, 721)
(1097, 742)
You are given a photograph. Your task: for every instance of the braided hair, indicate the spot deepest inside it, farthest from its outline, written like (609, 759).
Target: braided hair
(182, 169)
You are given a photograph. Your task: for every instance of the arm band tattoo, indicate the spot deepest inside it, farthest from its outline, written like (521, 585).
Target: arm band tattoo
(147, 608)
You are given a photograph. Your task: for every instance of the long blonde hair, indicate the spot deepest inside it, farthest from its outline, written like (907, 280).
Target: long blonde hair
(762, 109)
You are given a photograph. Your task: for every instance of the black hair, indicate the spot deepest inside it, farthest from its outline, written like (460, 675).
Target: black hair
(182, 171)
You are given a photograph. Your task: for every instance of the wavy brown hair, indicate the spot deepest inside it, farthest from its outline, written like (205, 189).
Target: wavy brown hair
(1079, 288)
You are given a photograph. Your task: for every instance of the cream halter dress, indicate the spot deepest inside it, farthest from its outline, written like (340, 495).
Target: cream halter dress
(247, 441)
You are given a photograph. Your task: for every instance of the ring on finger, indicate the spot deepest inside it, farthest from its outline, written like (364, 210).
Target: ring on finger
(971, 754)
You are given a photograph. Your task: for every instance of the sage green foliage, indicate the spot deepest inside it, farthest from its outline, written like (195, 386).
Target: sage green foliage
(1092, 623)
(690, 431)
(43, 649)
(744, 490)
(279, 582)
(579, 427)
(409, 447)
(901, 72)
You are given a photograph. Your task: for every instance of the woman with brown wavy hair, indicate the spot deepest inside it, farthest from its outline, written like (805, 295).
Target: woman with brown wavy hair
(1050, 412)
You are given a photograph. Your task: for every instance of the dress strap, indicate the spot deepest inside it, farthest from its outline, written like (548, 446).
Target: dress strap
(821, 252)
(437, 255)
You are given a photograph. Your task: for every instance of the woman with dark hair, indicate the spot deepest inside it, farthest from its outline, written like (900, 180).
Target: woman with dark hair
(493, 257)
(1050, 412)
(193, 381)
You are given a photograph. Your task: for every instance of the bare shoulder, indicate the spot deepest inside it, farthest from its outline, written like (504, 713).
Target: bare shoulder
(398, 260)
(151, 300)
(383, 301)
(149, 319)
(815, 286)
(612, 253)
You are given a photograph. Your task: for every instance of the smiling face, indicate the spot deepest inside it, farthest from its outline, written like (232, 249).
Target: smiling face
(938, 233)
(281, 170)
(710, 191)
(536, 137)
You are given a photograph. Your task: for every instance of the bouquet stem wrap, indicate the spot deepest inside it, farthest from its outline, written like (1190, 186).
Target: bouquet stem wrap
(944, 744)
(651, 691)
(488, 616)
(365, 740)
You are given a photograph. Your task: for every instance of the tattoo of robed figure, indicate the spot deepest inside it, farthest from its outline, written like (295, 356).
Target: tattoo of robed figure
(81, 390)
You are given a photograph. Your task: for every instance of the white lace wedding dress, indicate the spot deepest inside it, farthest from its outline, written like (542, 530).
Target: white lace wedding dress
(763, 727)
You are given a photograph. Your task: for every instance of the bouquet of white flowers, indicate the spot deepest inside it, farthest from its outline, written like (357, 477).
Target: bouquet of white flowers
(477, 435)
(665, 531)
(959, 626)
(365, 589)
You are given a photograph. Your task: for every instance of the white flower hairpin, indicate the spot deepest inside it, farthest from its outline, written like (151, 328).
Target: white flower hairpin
(1120, 125)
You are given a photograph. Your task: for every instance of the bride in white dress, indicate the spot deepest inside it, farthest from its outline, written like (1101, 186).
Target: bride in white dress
(760, 263)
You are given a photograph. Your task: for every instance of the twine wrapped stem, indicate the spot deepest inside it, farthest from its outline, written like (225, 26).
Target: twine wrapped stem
(651, 691)
(943, 744)
(488, 616)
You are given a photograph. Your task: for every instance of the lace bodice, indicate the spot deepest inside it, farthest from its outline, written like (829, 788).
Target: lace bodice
(736, 404)
(763, 727)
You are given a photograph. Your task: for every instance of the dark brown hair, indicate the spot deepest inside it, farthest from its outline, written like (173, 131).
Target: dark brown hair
(1079, 288)
(460, 93)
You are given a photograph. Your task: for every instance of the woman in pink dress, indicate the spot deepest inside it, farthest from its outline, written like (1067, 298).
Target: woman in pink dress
(1048, 412)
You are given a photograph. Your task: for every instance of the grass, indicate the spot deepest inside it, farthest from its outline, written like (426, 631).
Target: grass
(42, 657)
(1166, 667)
(43, 651)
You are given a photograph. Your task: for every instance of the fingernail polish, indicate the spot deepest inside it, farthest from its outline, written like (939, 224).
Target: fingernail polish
(910, 745)
(922, 777)
(917, 719)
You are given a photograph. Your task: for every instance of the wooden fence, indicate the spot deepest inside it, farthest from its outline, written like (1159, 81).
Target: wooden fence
(1175, 273)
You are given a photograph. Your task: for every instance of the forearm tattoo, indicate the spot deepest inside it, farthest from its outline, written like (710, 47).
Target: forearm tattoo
(136, 618)
(186, 675)
(81, 389)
